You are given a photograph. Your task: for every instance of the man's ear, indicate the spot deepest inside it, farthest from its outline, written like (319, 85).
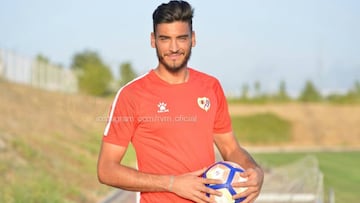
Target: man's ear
(193, 39)
(152, 40)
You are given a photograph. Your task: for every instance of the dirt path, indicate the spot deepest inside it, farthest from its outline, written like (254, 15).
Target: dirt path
(314, 124)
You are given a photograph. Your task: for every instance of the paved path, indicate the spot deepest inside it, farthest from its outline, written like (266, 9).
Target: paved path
(120, 196)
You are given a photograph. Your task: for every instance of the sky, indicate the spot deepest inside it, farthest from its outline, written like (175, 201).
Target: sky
(239, 42)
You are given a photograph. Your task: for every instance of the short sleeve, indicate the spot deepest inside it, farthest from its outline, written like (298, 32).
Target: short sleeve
(222, 119)
(121, 122)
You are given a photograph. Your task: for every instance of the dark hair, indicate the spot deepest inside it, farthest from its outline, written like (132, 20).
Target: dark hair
(172, 12)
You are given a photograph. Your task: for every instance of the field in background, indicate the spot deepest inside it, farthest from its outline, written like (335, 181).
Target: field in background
(340, 169)
(313, 125)
(49, 142)
(261, 128)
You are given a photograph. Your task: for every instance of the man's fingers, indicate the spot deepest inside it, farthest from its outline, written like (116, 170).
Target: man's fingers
(211, 191)
(242, 184)
(249, 198)
(211, 181)
(245, 193)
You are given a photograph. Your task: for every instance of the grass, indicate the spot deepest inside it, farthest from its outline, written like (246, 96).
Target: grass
(43, 189)
(264, 128)
(130, 156)
(50, 171)
(340, 169)
(49, 144)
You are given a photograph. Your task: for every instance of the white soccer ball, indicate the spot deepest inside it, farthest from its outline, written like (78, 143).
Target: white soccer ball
(228, 172)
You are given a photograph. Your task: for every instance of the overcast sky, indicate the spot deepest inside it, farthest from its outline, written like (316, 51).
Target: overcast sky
(238, 41)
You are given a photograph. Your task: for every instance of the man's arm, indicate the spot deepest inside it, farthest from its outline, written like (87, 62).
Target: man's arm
(112, 172)
(232, 151)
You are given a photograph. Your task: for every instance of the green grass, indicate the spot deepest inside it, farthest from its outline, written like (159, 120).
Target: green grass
(264, 128)
(50, 169)
(130, 156)
(340, 169)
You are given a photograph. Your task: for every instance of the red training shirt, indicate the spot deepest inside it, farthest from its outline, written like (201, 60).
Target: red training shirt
(171, 126)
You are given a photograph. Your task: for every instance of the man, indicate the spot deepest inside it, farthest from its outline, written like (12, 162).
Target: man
(172, 115)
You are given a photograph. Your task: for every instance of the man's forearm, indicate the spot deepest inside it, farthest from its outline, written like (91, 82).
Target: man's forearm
(245, 159)
(127, 178)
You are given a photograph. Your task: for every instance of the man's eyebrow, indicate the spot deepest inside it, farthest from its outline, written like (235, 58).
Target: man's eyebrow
(180, 36)
(183, 36)
(163, 36)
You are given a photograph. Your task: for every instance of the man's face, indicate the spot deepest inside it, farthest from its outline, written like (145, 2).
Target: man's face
(173, 42)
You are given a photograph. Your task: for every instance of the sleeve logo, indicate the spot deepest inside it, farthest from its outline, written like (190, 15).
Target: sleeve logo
(204, 103)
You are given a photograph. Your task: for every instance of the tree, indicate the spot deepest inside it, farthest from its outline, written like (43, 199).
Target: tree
(42, 59)
(257, 87)
(245, 92)
(353, 95)
(127, 73)
(93, 75)
(282, 94)
(357, 88)
(310, 93)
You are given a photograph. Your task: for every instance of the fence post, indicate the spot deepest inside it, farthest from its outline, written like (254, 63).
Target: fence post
(331, 195)
(2, 64)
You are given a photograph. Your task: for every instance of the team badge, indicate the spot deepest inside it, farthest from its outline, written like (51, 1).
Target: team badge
(204, 103)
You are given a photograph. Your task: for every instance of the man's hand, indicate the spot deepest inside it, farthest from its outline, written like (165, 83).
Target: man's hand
(191, 186)
(255, 178)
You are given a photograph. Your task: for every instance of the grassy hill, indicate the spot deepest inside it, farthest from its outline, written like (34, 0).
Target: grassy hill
(49, 144)
(317, 125)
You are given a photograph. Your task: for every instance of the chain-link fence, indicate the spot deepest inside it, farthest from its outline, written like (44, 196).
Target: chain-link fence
(299, 182)
(17, 68)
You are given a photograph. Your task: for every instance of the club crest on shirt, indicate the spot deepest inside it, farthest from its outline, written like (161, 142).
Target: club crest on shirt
(204, 103)
(162, 107)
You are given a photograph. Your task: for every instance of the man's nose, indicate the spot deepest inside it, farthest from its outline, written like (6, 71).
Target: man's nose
(174, 47)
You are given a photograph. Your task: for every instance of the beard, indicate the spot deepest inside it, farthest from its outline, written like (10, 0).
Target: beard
(172, 66)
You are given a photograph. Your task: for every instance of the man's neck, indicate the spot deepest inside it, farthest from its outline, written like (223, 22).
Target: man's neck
(178, 77)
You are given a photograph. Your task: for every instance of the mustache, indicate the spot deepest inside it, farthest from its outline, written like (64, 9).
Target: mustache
(175, 52)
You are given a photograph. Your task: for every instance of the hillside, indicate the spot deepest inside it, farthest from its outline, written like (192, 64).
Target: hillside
(49, 141)
(314, 125)
(49, 144)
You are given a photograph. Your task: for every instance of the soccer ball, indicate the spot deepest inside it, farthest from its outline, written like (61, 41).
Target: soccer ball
(229, 172)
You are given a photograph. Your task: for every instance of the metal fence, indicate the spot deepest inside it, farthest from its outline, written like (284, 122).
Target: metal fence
(298, 182)
(18, 68)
